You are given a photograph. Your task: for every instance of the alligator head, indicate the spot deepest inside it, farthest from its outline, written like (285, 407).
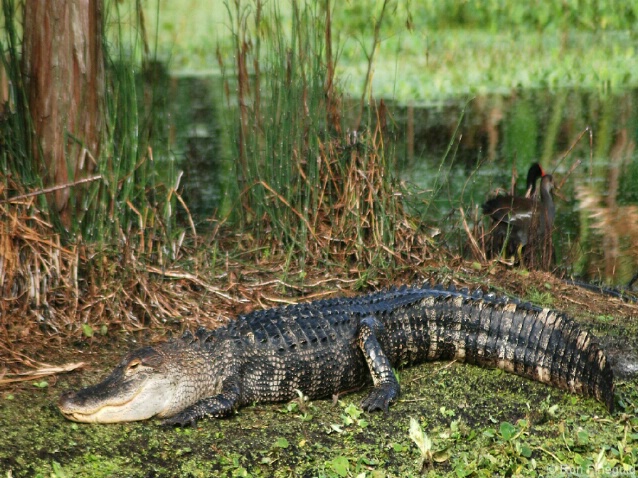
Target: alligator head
(148, 382)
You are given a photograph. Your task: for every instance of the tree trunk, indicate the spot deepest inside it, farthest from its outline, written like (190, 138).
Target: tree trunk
(64, 77)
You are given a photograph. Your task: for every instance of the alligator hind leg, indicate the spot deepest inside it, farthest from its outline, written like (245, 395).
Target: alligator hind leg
(386, 388)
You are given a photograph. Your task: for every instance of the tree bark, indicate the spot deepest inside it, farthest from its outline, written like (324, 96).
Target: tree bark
(64, 76)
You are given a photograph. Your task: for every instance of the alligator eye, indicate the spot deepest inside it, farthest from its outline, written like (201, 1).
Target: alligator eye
(133, 366)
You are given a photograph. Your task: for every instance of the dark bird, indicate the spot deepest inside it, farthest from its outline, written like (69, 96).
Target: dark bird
(524, 224)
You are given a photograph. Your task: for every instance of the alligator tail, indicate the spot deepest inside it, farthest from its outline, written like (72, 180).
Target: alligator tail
(540, 344)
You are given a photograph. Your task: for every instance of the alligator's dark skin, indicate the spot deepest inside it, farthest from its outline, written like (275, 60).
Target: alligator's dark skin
(331, 346)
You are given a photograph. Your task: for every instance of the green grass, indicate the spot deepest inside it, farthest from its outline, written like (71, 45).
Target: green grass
(461, 63)
(448, 51)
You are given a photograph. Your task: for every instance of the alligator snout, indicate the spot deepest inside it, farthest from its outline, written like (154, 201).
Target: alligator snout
(67, 400)
(69, 404)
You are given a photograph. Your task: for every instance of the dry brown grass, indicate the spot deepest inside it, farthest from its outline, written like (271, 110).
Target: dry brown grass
(55, 294)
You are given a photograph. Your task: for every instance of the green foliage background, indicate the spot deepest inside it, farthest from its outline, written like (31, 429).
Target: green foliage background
(432, 50)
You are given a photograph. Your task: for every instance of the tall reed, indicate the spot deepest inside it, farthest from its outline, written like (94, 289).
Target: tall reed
(15, 121)
(306, 185)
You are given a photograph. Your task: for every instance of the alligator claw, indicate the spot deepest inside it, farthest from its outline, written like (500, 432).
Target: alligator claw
(180, 420)
(380, 398)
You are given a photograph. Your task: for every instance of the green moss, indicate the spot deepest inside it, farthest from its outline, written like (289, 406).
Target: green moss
(480, 421)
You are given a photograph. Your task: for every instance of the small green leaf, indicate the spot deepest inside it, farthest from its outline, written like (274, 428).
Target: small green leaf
(340, 465)
(282, 443)
(398, 447)
(489, 433)
(582, 437)
(441, 456)
(87, 330)
(507, 430)
(362, 423)
(461, 471)
(353, 411)
(41, 384)
(336, 428)
(58, 472)
(418, 436)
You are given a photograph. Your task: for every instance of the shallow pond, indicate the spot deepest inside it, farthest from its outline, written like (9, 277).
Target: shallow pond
(455, 155)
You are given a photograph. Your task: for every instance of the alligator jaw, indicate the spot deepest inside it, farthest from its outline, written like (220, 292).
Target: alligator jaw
(144, 404)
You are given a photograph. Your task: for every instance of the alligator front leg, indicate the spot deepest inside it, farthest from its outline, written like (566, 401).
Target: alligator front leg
(217, 406)
(386, 387)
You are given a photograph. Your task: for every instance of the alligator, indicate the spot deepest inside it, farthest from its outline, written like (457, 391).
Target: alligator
(333, 346)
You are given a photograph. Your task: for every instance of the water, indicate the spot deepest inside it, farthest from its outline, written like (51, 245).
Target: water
(460, 152)
(196, 139)
(597, 218)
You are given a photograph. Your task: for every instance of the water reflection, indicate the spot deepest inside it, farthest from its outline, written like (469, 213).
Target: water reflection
(494, 139)
(196, 139)
(457, 154)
